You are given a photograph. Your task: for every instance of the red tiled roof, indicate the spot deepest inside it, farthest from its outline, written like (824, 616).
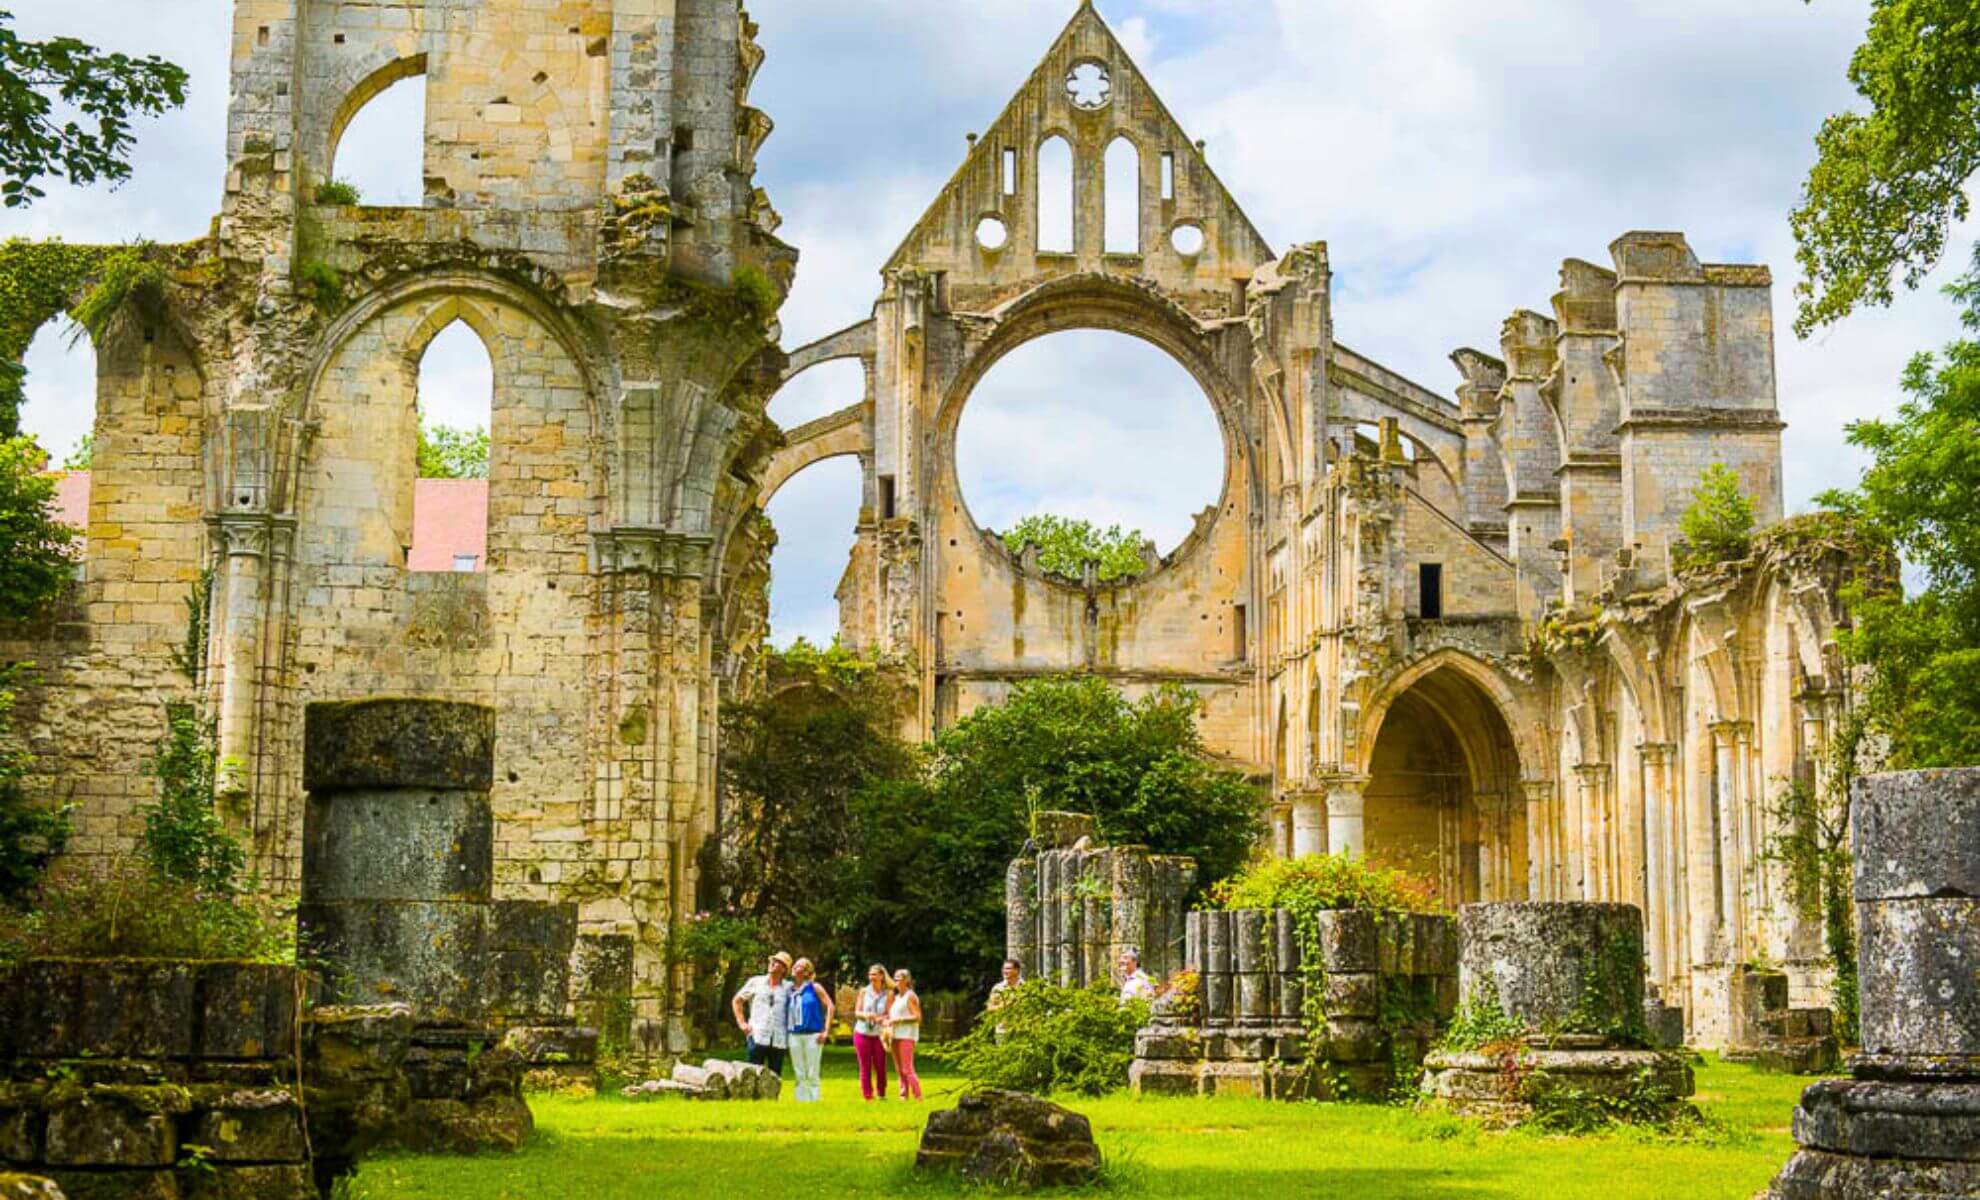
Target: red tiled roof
(450, 518)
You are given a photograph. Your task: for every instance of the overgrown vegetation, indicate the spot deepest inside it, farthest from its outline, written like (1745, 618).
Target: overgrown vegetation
(1048, 1038)
(1315, 884)
(38, 282)
(106, 91)
(449, 453)
(124, 910)
(1067, 544)
(127, 275)
(1718, 526)
(1810, 840)
(184, 838)
(37, 551)
(756, 293)
(31, 833)
(1921, 495)
(83, 457)
(320, 283)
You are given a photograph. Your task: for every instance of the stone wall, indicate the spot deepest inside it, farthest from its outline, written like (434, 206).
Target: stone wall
(1072, 910)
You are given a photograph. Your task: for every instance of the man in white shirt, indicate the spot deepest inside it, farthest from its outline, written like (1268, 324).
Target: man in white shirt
(768, 1022)
(1135, 983)
(1000, 991)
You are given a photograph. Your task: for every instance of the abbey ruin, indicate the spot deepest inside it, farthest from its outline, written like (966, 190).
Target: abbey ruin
(1447, 629)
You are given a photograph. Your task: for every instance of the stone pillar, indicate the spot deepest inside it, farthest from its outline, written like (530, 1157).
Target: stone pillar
(239, 600)
(1021, 914)
(1309, 825)
(398, 852)
(1543, 864)
(1282, 829)
(1346, 832)
(1592, 785)
(1908, 1123)
(1660, 875)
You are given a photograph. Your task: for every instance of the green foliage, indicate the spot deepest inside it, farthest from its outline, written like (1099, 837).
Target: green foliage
(1889, 185)
(336, 191)
(1047, 1038)
(721, 949)
(126, 911)
(106, 90)
(449, 453)
(83, 456)
(127, 274)
(756, 293)
(37, 552)
(1810, 840)
(1921, 495)
(1481, 1023)
(38, 282)
(30, 833)
(321, 283)
(1067, 544)
(1718, 527)
(1324, 882)
(185, 839)
(190, 655)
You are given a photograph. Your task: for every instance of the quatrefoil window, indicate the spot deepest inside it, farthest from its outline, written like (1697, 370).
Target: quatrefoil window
(1089, 86)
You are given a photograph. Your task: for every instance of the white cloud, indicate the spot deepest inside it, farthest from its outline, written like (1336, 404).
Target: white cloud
(1451, 155)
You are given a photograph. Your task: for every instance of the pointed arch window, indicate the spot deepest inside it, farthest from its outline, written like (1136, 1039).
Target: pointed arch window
(378, 140)
(1123, 198)
(456, 408)
(1055, 196)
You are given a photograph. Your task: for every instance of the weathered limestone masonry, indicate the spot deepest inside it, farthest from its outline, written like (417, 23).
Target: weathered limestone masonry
(397, 872)
(1569, 977)
(1388, 982)
(1449, 631)
(591, 215)
(1071, 908)
(1908, 1123)
(110, 1071)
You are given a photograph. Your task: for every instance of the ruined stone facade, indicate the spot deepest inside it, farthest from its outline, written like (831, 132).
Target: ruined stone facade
(1449, 631)
(591, 215)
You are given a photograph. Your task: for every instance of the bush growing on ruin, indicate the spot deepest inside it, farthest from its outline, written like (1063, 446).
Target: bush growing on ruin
(184, 838)
(1325, 882)
(31, 833)
(336, 191)
(1921, 495)
(1046, 1038)
(124, 910)
(1067, 544)
(1718, 527)
(37, 552)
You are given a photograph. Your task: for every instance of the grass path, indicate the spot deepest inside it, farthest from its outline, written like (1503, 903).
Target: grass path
(608, 1149)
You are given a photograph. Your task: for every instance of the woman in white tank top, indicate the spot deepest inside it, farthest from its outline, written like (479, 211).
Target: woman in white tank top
(904, 1025)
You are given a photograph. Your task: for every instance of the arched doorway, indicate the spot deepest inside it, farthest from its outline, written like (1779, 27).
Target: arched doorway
(1443, 793)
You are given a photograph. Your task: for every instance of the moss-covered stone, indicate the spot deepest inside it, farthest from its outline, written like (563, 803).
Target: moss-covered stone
(397, 743)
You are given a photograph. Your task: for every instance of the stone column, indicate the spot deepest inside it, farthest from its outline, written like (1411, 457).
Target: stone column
(239, 601)
(1282, 829)
(1660, 877)
(1309, 824)
(1346, 832)
(1542, 863)
(1592, 785)
(1021, 914)
(1908, 1123)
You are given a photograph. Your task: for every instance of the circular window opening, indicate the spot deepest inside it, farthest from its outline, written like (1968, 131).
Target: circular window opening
(1092, 426)
(1188, 239)
(1089, 86)
(992, 233)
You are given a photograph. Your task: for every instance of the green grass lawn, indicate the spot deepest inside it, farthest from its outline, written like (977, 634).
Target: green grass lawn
(608, 1148)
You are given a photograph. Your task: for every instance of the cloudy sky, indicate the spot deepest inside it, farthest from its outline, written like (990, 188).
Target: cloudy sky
(1451, 153)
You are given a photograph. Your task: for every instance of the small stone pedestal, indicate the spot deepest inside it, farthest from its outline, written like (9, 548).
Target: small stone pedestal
(1908, 1122)
(1771, 1035)
(1569, 979)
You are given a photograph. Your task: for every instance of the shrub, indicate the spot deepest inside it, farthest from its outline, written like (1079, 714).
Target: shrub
(184, 838)
(336, 191)
(1047, 1038)
(1324, 882)
(30, 834)
(1067, 544)
(320, 283)
(755, 292)
(125, 911)
(1718, 527)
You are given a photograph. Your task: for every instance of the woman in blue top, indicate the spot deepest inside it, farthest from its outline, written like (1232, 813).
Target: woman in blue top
(811, 1027)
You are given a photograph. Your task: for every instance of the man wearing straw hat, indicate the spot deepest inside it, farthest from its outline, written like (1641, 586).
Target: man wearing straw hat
(768, 1022)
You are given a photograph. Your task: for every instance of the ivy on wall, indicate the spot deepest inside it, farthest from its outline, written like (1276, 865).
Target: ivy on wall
(38, 282)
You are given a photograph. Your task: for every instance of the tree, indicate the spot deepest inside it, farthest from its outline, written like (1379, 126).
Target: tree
(449, 453)
(1888, 185)
(1921, 494)
(81, 458)
(36, 550)
(105, 90)
(1718, 527)
(1067, 544)
(933, 856)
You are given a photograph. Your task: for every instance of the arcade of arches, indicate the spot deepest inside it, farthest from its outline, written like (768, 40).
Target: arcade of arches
(1445, 629)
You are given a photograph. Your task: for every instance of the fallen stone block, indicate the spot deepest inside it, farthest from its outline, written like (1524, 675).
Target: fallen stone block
(1009, 1139)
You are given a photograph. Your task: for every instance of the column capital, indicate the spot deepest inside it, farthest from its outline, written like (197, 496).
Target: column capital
(250, 534)
(1344, 794)
(1656, 753)
(1731, 731)
(1538, 791)
(1595, 772)
(659, 552)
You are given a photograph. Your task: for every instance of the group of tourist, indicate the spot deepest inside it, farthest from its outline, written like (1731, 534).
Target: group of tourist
(786, 1012)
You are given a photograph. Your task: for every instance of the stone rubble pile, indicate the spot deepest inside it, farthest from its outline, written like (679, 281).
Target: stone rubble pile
(1009, 1139)
(1907, 1121)
(1389, 980)
(1569, 978)
(716, 1079)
